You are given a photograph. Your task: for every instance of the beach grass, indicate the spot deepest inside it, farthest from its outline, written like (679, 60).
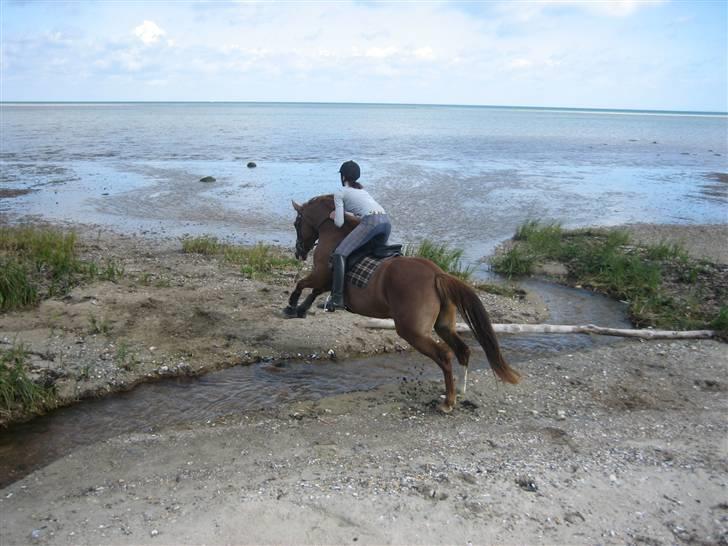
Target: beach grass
(17, 390)
(42, 262)
(259, 260)
(201, 245)
(663, 285)
(36, 263)
(447, 258)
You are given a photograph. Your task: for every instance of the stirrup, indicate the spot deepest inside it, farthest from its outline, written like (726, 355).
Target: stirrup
(330, 306)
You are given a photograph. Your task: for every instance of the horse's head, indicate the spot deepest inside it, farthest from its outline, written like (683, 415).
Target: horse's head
(308, 221)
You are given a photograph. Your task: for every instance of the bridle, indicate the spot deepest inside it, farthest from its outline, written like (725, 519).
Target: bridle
(300, 248)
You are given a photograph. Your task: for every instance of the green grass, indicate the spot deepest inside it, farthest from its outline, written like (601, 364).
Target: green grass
(37, 263)
(97, 326)
(720, 322)
(17, 390)
(666, 251)
(448, 259)
(201, 245)
(516, 262)
(664, 287)
(255, 261)
(16, 286)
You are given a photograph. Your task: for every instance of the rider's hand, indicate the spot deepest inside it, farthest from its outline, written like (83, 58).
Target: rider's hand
(332, 215)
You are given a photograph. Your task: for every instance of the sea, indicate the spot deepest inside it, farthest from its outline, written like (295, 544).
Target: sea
(466, 176)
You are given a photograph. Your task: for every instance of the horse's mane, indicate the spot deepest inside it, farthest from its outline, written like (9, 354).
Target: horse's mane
(327, 200)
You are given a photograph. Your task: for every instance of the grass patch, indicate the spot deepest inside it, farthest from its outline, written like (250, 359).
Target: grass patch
(17, 390)
(38, 263)
(35, 263)
(515, 262)
(96, 326)
(124, 357)
(663, 286)
(448, 259)
(201, 245)
(260, 260)
(720, 322)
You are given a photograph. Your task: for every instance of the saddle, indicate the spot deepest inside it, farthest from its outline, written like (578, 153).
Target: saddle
(363, 262)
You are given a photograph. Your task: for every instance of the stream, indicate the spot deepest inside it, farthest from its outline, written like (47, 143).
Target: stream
(26, 447)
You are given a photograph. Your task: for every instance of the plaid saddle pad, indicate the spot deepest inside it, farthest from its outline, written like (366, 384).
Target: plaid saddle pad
(360, 274)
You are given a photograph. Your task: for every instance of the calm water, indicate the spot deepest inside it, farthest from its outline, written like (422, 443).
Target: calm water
(466, 175)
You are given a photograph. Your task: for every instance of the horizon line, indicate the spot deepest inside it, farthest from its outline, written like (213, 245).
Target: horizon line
(344, 103)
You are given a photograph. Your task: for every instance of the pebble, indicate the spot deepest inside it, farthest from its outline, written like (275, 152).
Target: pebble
(154, 533)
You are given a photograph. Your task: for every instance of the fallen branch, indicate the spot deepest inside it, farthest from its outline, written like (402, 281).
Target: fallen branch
(388, 324)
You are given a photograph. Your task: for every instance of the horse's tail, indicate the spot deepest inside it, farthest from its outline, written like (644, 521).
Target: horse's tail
(471, 308)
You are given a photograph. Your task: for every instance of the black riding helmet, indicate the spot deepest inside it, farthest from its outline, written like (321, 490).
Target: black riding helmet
(350, 170)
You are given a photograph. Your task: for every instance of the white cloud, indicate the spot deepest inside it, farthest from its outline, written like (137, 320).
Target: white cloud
(518, 64)
(525, 11)
(149, 32)
(424, 53)
(381, 52)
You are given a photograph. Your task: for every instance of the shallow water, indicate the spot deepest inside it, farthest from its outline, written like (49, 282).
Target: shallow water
(182, 401)
(465, 175)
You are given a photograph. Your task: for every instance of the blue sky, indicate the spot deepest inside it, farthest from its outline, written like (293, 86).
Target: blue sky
(615, 54)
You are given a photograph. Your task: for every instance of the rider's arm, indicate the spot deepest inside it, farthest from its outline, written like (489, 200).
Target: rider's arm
(339, 209)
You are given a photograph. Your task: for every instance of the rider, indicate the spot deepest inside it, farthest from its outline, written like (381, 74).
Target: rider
(353, 198)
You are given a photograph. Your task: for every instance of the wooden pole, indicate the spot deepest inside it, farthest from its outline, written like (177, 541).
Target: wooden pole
(388, 324)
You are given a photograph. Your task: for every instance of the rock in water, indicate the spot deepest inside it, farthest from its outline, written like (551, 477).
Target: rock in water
(207, 179)
(252, 165)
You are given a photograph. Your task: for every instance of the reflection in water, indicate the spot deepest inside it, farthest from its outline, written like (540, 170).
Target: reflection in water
(171, 402)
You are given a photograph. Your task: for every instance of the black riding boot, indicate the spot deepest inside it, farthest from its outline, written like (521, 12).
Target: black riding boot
(336, 301)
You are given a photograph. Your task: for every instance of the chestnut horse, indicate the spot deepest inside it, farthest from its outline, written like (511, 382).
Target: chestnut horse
(414, 292)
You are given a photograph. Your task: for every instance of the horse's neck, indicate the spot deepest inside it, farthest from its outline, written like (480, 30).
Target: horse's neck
(330, 233)
(330, 236)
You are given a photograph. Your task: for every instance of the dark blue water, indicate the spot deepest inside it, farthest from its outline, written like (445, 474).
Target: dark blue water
(466, 175)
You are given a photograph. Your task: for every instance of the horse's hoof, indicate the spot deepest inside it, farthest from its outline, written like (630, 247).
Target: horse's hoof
(290, 312)
(444, 408)
(301, 313)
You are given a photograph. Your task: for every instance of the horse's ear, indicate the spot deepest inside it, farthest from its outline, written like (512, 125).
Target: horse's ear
(296, 206)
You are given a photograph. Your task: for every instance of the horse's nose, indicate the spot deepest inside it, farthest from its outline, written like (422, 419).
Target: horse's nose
(300, 254)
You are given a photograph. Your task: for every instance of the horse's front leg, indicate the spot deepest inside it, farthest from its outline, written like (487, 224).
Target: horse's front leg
(302, 309)
(293, 309)
(290, 310)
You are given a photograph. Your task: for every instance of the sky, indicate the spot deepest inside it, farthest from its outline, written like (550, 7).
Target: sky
(653, 54)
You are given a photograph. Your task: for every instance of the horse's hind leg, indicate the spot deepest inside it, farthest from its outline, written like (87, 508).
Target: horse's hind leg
(442, 356)
(445, 328)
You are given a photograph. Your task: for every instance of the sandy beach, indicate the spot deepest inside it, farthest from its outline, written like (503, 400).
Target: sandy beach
(625, 445)
(618, 444)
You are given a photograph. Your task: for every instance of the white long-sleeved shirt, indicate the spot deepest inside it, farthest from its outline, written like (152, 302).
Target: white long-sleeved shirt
(356, 201)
